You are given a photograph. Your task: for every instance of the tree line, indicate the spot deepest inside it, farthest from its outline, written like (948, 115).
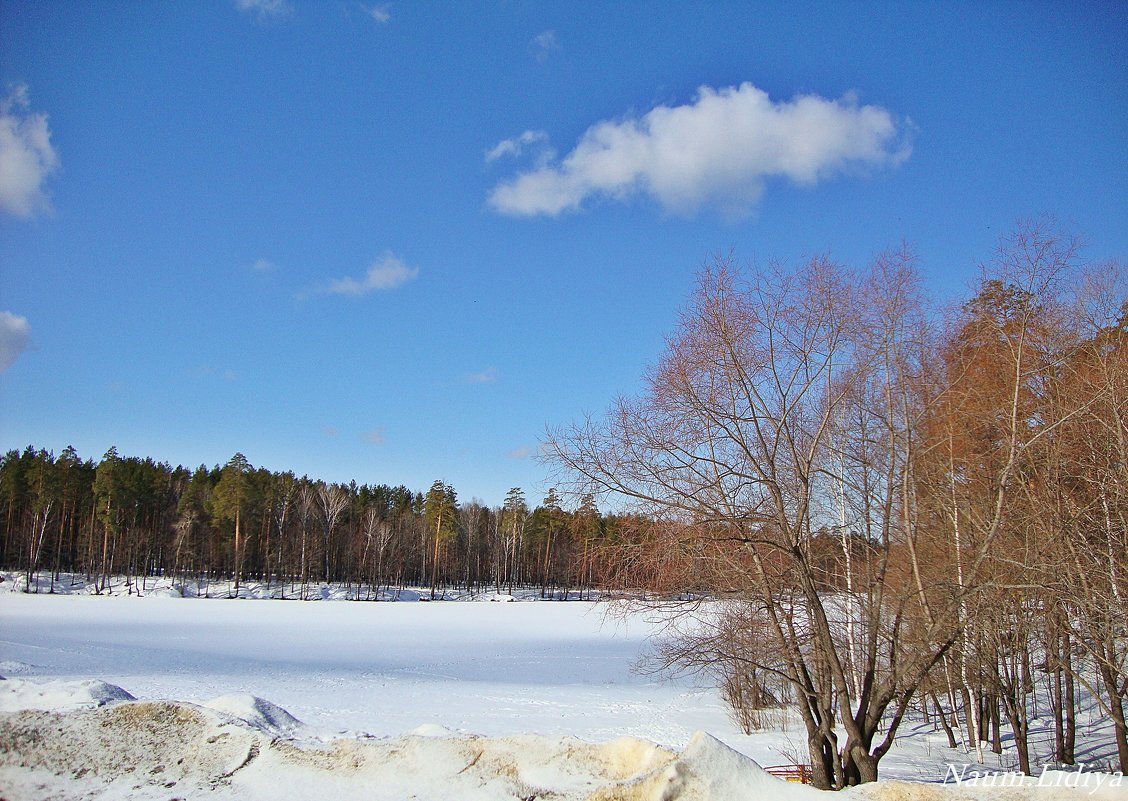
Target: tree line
(900, 509)
(140, 518)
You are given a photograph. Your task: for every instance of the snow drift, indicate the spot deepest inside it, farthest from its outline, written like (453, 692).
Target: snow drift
(232, 748)
(99, 743)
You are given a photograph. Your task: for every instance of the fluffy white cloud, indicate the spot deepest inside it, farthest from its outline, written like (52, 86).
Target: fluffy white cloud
(265, 9)
(26, 156)
(388, 272)
(15, 333)
(718, 150)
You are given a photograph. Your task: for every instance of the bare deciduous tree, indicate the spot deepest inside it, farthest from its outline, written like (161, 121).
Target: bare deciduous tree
(774, 442)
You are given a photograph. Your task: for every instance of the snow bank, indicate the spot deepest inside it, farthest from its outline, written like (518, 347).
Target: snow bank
(228, 749)
(238, 747)
(257, 713)
(707, 770)
(154, 745)
(16, 694)
(174, 587)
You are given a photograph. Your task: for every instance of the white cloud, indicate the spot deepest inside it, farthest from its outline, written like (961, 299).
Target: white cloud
(374, 437)
(26, 156)
(543, 45)
(516, 146)
(265, 9)
(15, 333)
(520, 453)
(717, 150)
(264, 266)
(487, 376)
(381, 13)
(388, 272)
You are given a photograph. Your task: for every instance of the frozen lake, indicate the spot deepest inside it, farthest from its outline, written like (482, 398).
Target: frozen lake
(382, 668)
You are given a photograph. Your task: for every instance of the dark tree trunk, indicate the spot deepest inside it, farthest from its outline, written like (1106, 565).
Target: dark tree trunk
(1070, 717)
(1116, 708)
(943, 718)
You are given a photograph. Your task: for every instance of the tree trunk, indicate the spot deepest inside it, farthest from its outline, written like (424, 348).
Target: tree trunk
(824, 774)
(996, 730)
(859, 766)
(105, 550)
(1057, 703)
(1116, 709)
(1070, 705)
(236, 552)
(1020, 727)
(943, 718)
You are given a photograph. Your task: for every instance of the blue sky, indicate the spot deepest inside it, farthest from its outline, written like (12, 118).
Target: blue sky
(393, 242)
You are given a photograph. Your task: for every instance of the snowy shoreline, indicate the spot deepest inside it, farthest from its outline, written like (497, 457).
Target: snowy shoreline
(92, 740)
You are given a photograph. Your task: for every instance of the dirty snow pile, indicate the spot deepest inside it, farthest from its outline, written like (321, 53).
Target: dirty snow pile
(98, 743)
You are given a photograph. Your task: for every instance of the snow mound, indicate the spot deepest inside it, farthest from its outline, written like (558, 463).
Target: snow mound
(468, 768)
(432, 730)
(138, 744)
(13, 667)
(707, 770)
(156, 750)
(258, 713)
(172, 591)
(52, 696)
(715, 771)
(143, 749)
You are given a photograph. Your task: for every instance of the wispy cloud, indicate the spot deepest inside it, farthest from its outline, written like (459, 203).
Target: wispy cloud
(543, 45)
(520, 453)
(330, 431)
(15, 333)
(381, 13)
(265, 10)
(264, 266)
(516, 146)
(487, 376)
(387, 272)
(719, 150)
(27, 156)
(373, 437)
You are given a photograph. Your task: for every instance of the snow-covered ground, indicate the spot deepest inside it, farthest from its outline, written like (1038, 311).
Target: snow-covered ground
(536, 687)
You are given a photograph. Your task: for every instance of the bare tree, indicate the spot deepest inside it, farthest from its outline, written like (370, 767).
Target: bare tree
(777, 430)
(1084, 489)
(334, 500)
